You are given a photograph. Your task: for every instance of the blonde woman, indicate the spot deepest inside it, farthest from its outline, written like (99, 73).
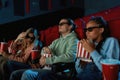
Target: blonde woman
(22, 57)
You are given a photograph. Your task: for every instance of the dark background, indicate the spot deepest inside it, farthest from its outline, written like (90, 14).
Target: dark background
(16, 15)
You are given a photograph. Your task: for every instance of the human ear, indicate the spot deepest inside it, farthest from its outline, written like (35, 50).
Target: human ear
(101, 30)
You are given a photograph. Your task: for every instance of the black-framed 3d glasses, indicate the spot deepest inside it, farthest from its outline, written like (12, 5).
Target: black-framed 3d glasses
(27, 36)
(90, 29)
(62, 23)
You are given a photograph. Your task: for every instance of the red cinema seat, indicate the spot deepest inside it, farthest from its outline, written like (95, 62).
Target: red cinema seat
(79, 30)
(51, 34)
(51, 38)
(42, 36)
(115, 28)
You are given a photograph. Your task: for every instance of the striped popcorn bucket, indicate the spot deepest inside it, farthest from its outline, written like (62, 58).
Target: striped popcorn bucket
(47, 55)
(81, 52)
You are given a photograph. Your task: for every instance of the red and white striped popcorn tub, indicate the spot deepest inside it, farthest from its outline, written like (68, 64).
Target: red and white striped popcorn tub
(81, 52)
(47, 55)
(47, 66)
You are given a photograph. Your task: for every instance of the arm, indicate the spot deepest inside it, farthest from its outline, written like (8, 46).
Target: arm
(23, 58)
(110, 50)
(69, 54)
(20, 36)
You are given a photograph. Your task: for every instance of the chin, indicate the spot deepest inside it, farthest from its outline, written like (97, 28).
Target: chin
(60, 31)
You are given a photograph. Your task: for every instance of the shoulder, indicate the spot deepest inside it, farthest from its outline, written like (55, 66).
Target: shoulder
(56, 40)
(73, 35)
(111, 40)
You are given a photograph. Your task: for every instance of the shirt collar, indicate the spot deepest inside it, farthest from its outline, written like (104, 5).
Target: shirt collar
(66, 35)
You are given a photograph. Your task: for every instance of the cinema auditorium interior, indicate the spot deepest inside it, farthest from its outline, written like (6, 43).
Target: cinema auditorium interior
(59, 39)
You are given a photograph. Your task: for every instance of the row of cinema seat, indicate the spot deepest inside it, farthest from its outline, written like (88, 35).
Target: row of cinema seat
(112, 16)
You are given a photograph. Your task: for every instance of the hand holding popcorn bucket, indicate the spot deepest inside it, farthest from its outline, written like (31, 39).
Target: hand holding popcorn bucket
(110, 69)
(46, 54)
(82, 53)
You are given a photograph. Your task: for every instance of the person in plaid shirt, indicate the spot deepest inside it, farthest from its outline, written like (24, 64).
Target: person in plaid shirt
(20, 55)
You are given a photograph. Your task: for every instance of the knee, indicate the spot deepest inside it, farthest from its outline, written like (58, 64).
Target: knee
(29, 75)
(13, 75)
(25, 75)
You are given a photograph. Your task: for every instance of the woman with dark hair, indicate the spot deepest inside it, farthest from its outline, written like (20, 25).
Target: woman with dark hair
(102, 47)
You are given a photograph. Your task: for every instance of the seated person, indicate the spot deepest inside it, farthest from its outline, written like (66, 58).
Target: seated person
(62, 50)
(16, 46)
(103, 47)
(20, 57)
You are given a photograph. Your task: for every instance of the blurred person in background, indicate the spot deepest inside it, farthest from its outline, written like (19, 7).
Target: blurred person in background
(20, 56)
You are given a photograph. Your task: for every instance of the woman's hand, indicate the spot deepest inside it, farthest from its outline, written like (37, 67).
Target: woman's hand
(87, 45)
(21, 36)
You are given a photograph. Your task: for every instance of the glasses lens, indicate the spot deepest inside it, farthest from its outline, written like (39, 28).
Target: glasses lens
(29, 37)
(90, 29)
(60, 24)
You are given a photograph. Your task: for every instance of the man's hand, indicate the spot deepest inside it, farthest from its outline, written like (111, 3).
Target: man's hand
(46, 50)
(42, 60)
